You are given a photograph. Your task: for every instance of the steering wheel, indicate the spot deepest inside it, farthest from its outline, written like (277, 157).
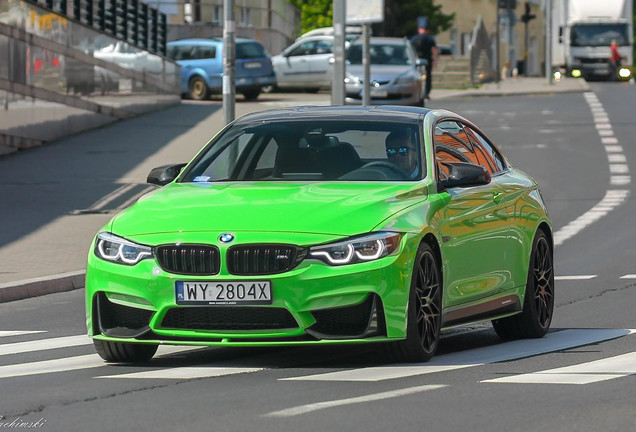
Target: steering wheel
(388, 166)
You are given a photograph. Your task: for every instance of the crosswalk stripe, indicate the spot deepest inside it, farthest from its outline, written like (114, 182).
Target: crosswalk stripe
(585, 373)
(575, 277)
(44, 344)
(8, 333)
(554, 341)
(186, 373)
(65, 364)
(304, 409)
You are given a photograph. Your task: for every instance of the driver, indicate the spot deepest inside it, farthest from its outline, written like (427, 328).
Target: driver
(401, 152)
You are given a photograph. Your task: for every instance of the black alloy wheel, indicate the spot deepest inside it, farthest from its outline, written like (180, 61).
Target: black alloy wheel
(424, 311)
(538, 305)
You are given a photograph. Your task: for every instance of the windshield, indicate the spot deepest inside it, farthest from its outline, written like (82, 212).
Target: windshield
(311, 151)
(598, 34)
(249, 50)
(381, 54)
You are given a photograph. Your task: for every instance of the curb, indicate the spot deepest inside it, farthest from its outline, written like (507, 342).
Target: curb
(23, 289)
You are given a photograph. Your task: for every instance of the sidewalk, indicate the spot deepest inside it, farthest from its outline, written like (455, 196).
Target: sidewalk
(50, 255)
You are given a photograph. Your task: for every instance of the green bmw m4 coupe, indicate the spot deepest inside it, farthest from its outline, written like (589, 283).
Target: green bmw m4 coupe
(326, 225)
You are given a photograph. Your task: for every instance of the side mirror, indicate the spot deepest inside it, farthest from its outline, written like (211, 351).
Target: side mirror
(164, 174)
(463, 174)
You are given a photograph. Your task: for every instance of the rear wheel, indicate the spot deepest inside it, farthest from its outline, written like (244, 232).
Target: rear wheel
(538, 304)
(122, 352)
(424, 315)
(251, 95)
(198, 89)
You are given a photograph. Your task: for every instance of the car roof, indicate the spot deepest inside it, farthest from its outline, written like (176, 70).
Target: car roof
(208, 41)
(389, 113)
(382, 40)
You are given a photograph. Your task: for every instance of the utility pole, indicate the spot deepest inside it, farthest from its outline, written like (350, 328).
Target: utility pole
(366, 63)
(229, 61)
(497, 45)
(548, 40)
(526, 18)
(337, 80)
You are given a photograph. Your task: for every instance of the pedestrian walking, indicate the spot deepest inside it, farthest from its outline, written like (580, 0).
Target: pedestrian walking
(615, 59)
(426, 48)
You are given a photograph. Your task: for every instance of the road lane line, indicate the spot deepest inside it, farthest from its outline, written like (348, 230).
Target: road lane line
(44, 344)
(304, 409)
(575, 277)
(65, 364)
(8, 333)
(186, 373)
(513, 350)
(584, 373)
(629, 276)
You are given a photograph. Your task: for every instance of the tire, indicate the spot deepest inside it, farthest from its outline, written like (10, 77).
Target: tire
(251, 95)
(424, 314)
(538, 304)
(197, 88)
(121, 352)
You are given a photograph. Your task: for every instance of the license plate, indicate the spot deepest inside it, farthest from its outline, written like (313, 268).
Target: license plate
(223, 292)
(375, 93)
(252, 65)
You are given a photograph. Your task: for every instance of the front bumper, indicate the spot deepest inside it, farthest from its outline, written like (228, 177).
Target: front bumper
(313, 303)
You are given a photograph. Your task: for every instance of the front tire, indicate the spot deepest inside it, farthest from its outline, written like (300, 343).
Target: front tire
(121, 352)
(424, 315)
(538, 305)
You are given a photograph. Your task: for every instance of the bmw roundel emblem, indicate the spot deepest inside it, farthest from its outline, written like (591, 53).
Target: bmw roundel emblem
(226, 238)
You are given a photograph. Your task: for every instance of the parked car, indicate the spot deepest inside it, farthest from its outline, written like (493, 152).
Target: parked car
(397, 75)
(351, 32)
(318, 225)
(306, 65)
(201, 63)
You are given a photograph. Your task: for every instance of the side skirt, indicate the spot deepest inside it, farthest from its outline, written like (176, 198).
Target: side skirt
(497, 308)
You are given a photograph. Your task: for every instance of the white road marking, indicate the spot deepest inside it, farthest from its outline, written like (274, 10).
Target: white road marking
(605, 132)
(613, 148)
(575, 277)
(186, 373)
(603, 126)
(554, 341)
(618, 169)
(612, 199)
(616, 158)
(609, 140)
(620, 180)
(585, 373)
(87, 361)
(304, 409)
(44, 344)
(629, 276)
(8, 333)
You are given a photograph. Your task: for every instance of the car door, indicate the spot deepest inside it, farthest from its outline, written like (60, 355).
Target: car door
(320, 63)
(473, 224)
(293, 67)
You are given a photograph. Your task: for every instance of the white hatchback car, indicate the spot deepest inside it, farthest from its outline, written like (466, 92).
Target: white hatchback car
(306, 65)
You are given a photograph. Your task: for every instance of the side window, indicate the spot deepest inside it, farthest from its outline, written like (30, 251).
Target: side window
(303, 49)
(185, 52)
(268, 157)
(206, 52)
(324, 47)
(452, 145)
(493, 161)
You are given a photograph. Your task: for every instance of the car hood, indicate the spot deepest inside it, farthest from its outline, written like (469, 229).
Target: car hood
(320, 208)
(380, 72)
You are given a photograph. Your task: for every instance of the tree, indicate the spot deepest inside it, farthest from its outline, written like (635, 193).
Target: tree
(400, 16)
(314, 13)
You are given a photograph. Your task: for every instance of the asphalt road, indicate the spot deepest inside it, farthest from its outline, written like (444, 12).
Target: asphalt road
(54, 380)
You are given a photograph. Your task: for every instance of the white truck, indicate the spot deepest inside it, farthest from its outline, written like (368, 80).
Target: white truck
(583, 31)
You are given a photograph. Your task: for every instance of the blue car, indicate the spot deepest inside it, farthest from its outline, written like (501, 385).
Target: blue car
(201, 63)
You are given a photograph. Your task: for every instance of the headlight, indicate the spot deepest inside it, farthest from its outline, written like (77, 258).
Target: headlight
(351, 79)
(357, 249)
(109, 247)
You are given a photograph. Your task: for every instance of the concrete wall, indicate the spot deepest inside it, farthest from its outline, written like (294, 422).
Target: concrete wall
(59, 77)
